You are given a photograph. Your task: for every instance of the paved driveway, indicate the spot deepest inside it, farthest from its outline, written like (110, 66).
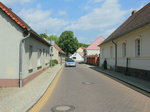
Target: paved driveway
(91, 91)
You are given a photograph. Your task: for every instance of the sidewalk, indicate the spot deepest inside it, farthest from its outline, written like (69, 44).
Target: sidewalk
(21, 99)
(138, 83)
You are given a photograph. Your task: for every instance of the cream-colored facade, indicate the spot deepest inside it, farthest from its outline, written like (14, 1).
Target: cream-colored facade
(141, 61)
(80, 49)
(56, 55)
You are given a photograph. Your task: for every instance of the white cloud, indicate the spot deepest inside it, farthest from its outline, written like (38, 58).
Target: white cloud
(108, 14)
(108, 32)
(62, 13)
(95, 1)
(15, 1)
(42, 21)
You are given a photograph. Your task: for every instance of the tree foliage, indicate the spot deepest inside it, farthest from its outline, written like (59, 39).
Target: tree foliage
(68, 42)
(83, 45)
(44, 35)
(51, 37)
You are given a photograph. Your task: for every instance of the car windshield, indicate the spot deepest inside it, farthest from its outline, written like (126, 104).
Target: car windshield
(69, 60)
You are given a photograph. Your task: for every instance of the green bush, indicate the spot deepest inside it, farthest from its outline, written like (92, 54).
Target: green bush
(54, 62)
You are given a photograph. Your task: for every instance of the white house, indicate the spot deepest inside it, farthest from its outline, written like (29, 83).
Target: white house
(78, 56)
(126, 50)
(24, 54)
(93, 48)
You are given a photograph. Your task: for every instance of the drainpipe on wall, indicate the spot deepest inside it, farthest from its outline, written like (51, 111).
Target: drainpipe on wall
(20, 57)
(115, 55)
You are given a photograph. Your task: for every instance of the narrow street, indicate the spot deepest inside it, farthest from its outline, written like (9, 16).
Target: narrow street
(89, 91)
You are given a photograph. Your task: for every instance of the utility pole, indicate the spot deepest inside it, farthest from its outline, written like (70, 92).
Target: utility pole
(51, 51)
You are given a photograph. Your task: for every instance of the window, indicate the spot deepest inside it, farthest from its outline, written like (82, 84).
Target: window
(43, 51)
(39, 57)
(137, 47)
(51, 49)
(30, 52)
(110, 51)
(74, 57)
(46, 53)
(124, 49)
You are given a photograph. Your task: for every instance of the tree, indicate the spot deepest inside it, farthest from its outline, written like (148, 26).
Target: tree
(44, 35)
(68, 42)
(83, 45)
(51, 37)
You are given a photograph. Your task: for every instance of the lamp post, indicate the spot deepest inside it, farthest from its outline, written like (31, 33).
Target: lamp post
(51, 51)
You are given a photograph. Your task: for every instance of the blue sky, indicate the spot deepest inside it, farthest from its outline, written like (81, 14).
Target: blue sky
(89, 19)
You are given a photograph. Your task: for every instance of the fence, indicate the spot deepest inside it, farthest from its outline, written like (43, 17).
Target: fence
(93, 60)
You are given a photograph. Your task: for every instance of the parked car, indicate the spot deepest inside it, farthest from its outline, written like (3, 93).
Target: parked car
(70, 62)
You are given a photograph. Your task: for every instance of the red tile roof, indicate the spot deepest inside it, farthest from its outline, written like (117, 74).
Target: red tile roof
(81, 53)
(19, 21)
(135, 21)
(94, 45)
(82, 47)
(13, 16)
(59, 49)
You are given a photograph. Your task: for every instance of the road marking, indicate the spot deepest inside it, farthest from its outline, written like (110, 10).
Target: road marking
(38, 106)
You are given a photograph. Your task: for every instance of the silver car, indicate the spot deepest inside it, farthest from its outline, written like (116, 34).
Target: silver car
(70, 62)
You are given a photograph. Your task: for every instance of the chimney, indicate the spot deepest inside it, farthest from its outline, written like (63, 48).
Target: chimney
(133, 12)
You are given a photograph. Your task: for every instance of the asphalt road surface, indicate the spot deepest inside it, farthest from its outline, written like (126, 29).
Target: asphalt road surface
(87, 90)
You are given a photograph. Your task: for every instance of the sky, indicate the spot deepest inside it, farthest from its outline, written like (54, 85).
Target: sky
(88, 19)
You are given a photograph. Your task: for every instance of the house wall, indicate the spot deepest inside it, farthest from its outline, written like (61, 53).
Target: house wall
(79, 58)
(31, 66)
(10, 36)
(93, 52)
(80, 50)
(56, 55)
(141, 62)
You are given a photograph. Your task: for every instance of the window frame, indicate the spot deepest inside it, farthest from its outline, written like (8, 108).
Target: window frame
(138, 47)
(124, 49)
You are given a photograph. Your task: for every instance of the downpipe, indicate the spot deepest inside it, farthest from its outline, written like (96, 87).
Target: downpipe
(21, 59)
(115, 55)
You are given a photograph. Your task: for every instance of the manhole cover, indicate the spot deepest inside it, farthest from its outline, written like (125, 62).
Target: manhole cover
(87, 83)
(63, 108)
